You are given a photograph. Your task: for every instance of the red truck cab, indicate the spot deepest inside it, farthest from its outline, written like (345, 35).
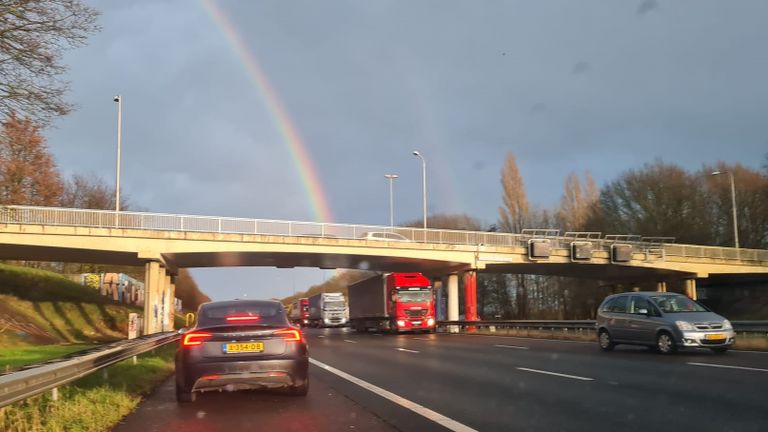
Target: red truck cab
(412, 302)
(395, 302)
(299, 312)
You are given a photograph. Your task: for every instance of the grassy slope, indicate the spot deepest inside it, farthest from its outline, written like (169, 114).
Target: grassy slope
(43, 315)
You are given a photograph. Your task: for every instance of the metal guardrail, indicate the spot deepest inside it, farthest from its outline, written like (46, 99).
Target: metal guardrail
(210, 224)
(738, 326)
(38, 378)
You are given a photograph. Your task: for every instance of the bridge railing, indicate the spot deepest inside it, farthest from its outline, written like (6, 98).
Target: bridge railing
(211, 224)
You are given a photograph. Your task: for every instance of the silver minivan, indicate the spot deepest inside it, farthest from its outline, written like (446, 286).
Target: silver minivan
(664, 321)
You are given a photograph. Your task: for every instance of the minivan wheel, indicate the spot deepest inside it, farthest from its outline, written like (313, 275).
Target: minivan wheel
(605, 340)
(665, 344)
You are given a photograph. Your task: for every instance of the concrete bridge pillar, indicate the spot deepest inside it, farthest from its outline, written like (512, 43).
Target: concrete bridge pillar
(661, 286)
(172, 304)
(453, 297)
(154, 287)
(690, 288)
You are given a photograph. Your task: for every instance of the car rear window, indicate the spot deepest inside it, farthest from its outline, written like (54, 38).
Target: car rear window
(619, 305)
(607, 305)
(269, 314)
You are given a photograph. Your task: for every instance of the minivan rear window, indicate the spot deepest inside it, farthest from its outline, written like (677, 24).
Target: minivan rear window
(619, 305)
(245, 313)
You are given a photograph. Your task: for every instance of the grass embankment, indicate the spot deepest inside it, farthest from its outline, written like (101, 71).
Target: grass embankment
(11, 358)
(44, 315)
(744, 341)
(96, 402)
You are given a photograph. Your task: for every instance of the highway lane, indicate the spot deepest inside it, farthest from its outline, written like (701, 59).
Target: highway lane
(323, 410)
(553, 385)
(486, 383)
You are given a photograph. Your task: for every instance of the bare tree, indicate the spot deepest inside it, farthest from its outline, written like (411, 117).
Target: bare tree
(577, 202)
(90, 192)
(33, 36)
(28, 173)
(515, 212)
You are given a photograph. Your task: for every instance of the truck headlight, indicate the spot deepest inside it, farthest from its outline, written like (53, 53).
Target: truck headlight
(685, 325)
(430, 322)
(727, 325)
(400, 323)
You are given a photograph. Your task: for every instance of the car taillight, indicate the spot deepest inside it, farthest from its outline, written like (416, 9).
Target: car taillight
(194, 338)
(290, 335)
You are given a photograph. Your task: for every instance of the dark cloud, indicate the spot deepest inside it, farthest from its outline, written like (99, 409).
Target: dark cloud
(647, 6)
(580, 67)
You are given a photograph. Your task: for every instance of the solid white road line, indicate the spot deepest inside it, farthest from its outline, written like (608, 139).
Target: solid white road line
(436, 417)
(350, 341)
(406, 350)
(728, 366)
(555, 374)
(520, 337)
(422, 339)
(321, 336)
(511, 346)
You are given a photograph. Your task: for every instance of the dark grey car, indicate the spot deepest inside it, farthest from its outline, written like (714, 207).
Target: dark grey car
(664, 321)
(239, 345)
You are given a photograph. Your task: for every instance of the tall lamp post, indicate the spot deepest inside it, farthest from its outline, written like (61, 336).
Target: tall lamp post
(119, 101)
(423, 186)
(391, 178)
(733, 205)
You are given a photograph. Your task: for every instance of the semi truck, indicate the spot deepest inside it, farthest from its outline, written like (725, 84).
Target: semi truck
(393, 302)
(328, 310)
(299, 312)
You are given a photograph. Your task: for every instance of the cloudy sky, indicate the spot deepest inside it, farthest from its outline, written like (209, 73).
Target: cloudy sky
(564, 85)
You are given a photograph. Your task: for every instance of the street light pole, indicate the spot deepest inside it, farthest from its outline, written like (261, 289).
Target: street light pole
(423, 185)
(391, 178)
(119, 101)
(733, 205)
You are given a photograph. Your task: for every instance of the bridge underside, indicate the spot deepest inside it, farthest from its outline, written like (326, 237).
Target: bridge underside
(330, 260)
(233, 259)
(602, 272)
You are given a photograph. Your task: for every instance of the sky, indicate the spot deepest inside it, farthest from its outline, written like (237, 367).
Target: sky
(221, 98)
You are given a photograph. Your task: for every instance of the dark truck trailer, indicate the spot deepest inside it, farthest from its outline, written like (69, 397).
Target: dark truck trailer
(392, 302)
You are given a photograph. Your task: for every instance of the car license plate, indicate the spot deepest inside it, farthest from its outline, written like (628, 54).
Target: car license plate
(714, 336)
(415, 323)
(247, 347)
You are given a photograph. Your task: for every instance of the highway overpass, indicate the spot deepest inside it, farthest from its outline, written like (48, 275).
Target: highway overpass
(164, 242)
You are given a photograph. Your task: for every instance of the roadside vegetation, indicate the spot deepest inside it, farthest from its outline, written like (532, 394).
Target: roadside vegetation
(94, 403)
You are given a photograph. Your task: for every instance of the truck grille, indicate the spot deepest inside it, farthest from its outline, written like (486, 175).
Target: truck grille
(708, 326)
(421, 313)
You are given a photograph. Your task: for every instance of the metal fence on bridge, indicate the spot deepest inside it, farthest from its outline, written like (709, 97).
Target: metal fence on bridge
(226, 225)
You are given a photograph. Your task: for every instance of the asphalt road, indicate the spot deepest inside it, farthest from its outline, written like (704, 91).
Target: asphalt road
(486, 383)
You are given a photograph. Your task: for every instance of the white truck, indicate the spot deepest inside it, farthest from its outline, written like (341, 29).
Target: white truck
(328, 310)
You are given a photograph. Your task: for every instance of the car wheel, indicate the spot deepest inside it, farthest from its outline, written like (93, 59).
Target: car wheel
(184, 395)
(665, 344)
(605, 340)
(300, 390)
(720, 350)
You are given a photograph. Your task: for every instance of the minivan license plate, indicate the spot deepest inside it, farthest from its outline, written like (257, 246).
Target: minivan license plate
(715, 336)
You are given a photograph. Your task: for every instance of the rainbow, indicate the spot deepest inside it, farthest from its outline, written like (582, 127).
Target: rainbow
(277, 111)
